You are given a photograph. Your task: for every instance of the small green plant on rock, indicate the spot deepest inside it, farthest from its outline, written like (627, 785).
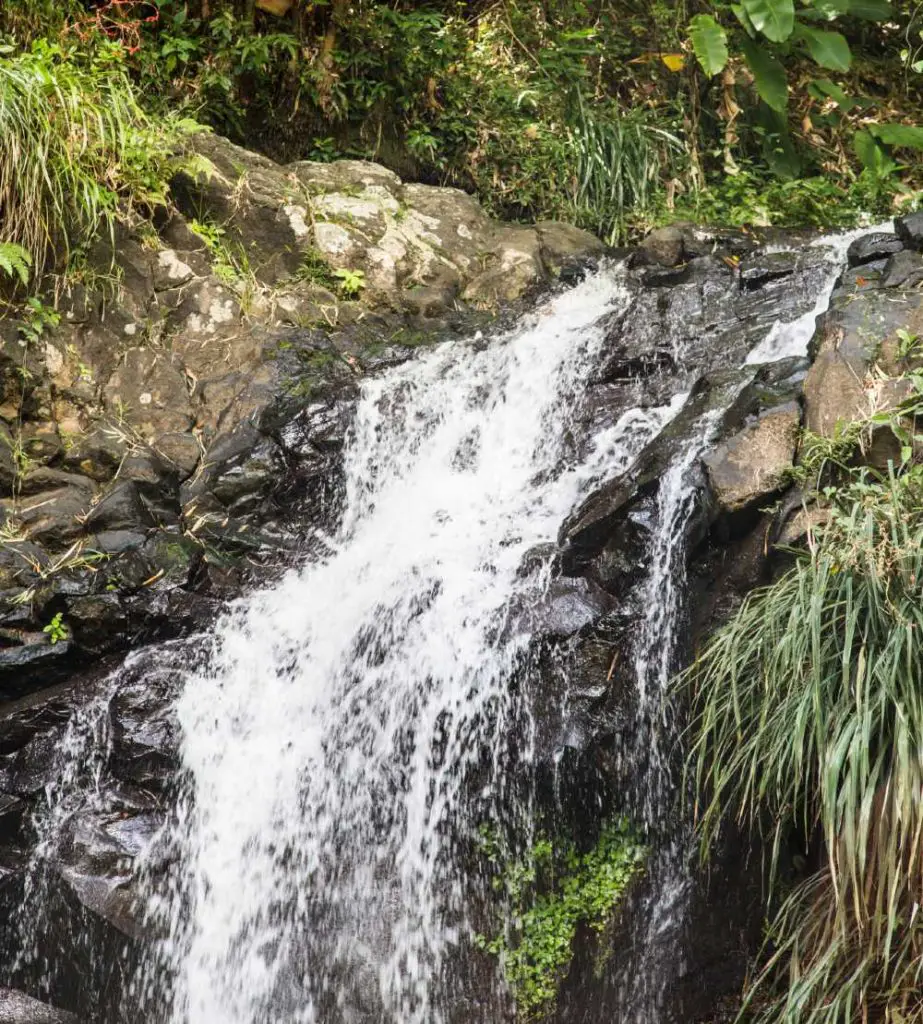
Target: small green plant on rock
(56, 629)
(351, 282)
(546, 895)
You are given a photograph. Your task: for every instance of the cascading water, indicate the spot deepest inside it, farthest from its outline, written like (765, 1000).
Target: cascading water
(329, 739)
(343, 726)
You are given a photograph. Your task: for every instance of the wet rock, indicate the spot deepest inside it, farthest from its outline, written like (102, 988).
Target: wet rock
(903, 270)
(566, 250)
(758, 270)
(751, 466)
(126, 506)
(848, 340)
(566, 607)
(182, 451)
(875, 246)
(97, 621)
(909, 229)
(97, 455)
(42, 479)
(18, 1008)
(665, 246)
(52, 518)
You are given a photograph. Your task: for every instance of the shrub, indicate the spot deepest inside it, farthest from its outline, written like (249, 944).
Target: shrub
(809, 722)
(75, 145)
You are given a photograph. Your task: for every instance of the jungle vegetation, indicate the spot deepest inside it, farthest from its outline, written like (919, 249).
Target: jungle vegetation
(614, 114)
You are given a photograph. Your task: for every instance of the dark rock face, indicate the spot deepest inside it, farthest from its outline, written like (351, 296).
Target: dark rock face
(168, 478)
(876, 246)
(909, 229)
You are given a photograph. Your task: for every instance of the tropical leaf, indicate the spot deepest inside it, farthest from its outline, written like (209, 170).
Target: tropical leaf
(709, 41)
(903, 135)
(824, 87)
(741, 15)
(774, 18)
(871, 10)
(769, 76)
(872, 155)
(829, 49)
(831, 9)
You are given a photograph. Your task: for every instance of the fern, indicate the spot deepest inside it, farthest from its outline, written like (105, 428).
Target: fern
(15, 261)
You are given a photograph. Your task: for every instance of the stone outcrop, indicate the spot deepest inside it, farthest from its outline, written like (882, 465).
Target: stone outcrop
(156, 439)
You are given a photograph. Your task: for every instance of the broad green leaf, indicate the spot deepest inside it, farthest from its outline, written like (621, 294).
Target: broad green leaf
(829, 49)
(871, 10)
(709, 40)
(835, 92)
(831, 9)
(768, 74)
(778, 148)
(741, 15)
(907, 136)
(873, 157)
(774, 18)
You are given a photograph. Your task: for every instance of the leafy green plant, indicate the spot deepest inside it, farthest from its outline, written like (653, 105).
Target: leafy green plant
(75, 145)
(808, 722)
(351, 282)
(908, 343)
(762, 27)
(546, 895)
(15, 262)
(56, 630)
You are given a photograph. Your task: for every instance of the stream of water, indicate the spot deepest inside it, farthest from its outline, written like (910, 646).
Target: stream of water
(341, 722)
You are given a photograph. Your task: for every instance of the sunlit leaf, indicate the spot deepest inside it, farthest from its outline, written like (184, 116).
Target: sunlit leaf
(774, 18)
(709, 40)
(835, 92)
(904, 135)
(872, 155)
(831, 9)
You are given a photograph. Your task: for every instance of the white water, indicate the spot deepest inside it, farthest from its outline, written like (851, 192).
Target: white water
(329, 742)
(791, 338)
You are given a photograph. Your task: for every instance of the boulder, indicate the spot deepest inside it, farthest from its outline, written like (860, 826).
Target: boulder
(750, 467)
(909, 229)
(666, 246)
(875, 246)
(903, 270)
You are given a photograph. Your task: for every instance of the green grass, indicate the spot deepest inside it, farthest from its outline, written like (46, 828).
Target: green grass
(76, 146)
(617, 167)
(809, 723)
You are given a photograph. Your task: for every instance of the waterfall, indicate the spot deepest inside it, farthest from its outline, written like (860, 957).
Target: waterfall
(331, 734)
(344, 729)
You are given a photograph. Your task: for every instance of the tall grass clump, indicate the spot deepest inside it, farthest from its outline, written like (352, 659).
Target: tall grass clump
(808, 722)
(74, 144)
(618, 167)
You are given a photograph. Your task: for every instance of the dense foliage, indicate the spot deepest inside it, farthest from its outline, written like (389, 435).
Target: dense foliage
(809, 722)
(609, 113)
(545, 896)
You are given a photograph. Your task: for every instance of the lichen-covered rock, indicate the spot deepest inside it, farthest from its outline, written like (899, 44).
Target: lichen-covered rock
(751, 466)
